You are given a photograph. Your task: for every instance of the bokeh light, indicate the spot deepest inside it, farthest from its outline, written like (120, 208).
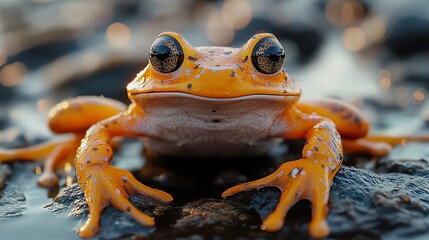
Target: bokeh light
(69, 180)
(118, 34)
(385, 79)
(419, 95)
(344, 12)
(67, 167)
(12, 74)
(354, 39)
(38, 170)
(217, 32)
(236, 14)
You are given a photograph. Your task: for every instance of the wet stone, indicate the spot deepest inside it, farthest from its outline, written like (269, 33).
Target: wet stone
(362, 203)
(379, 204)
(114, 223)
(12, 202)
(12, 195)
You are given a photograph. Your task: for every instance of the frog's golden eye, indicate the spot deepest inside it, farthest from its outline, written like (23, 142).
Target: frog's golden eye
(166, 54)
(268, 55)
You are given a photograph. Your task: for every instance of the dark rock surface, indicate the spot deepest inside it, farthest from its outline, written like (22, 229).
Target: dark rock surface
(362, 203)
(12, 197)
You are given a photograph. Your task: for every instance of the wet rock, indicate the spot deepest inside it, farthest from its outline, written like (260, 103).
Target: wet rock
(361, 202)
(12, 196)
(212, 212)
(411, 159)
(113, 223)
(12, 202)
(382, 205)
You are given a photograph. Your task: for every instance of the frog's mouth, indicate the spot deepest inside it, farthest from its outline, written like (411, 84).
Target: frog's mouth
(292, 98)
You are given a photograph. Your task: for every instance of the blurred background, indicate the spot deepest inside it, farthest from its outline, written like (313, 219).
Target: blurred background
(373, 54)
(354, 50)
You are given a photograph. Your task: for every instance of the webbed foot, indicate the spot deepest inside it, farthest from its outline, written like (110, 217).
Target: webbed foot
(301, 179)
(111, 185)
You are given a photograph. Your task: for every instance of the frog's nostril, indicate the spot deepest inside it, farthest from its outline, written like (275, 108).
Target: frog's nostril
(216, 120)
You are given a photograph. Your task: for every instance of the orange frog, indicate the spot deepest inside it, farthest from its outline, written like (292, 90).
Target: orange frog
(207, 102)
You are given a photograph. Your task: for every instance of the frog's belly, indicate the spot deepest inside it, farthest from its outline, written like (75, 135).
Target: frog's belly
(190, 126)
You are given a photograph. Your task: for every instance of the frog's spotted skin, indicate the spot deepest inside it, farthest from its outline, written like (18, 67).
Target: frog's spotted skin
(208, 102)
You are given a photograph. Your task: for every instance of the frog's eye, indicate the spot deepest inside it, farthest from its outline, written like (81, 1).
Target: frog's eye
(166, 54)
(268, 55)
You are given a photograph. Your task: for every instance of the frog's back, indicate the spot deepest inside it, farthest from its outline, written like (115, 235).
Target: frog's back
(185, 125)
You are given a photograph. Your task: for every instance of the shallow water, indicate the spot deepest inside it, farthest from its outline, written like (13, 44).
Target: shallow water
(36, 221)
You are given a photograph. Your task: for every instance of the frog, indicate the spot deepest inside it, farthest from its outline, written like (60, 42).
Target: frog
(207, 102)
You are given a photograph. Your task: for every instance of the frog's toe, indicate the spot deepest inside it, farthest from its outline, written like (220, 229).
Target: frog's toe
(318, 229)
(120, 202)
(291, 194)
(297, 180)
(142, 189)
(248, 186)
(48, 180)
(91, 227)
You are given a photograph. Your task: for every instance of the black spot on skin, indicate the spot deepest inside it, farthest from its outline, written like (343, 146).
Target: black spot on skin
(227, 53)
(337, 108)
(212, 51)
(189, 86)
(94, 149)
(197, 66)
(232, 73)
(217, 65)
(192, 58)
(115, 122)
(107, 150)
(357, 120)
(216, 120)
(245, 59)
(319, 138)
(284, 91)
(316, 149)
(348, 116)
(128, 209)
(213, 111)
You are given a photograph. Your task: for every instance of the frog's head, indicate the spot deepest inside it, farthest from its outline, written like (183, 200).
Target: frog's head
(216, 72)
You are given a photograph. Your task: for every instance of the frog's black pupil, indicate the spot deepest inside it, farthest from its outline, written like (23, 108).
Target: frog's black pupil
(268, 55)
(161, 52)
(166, 54)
